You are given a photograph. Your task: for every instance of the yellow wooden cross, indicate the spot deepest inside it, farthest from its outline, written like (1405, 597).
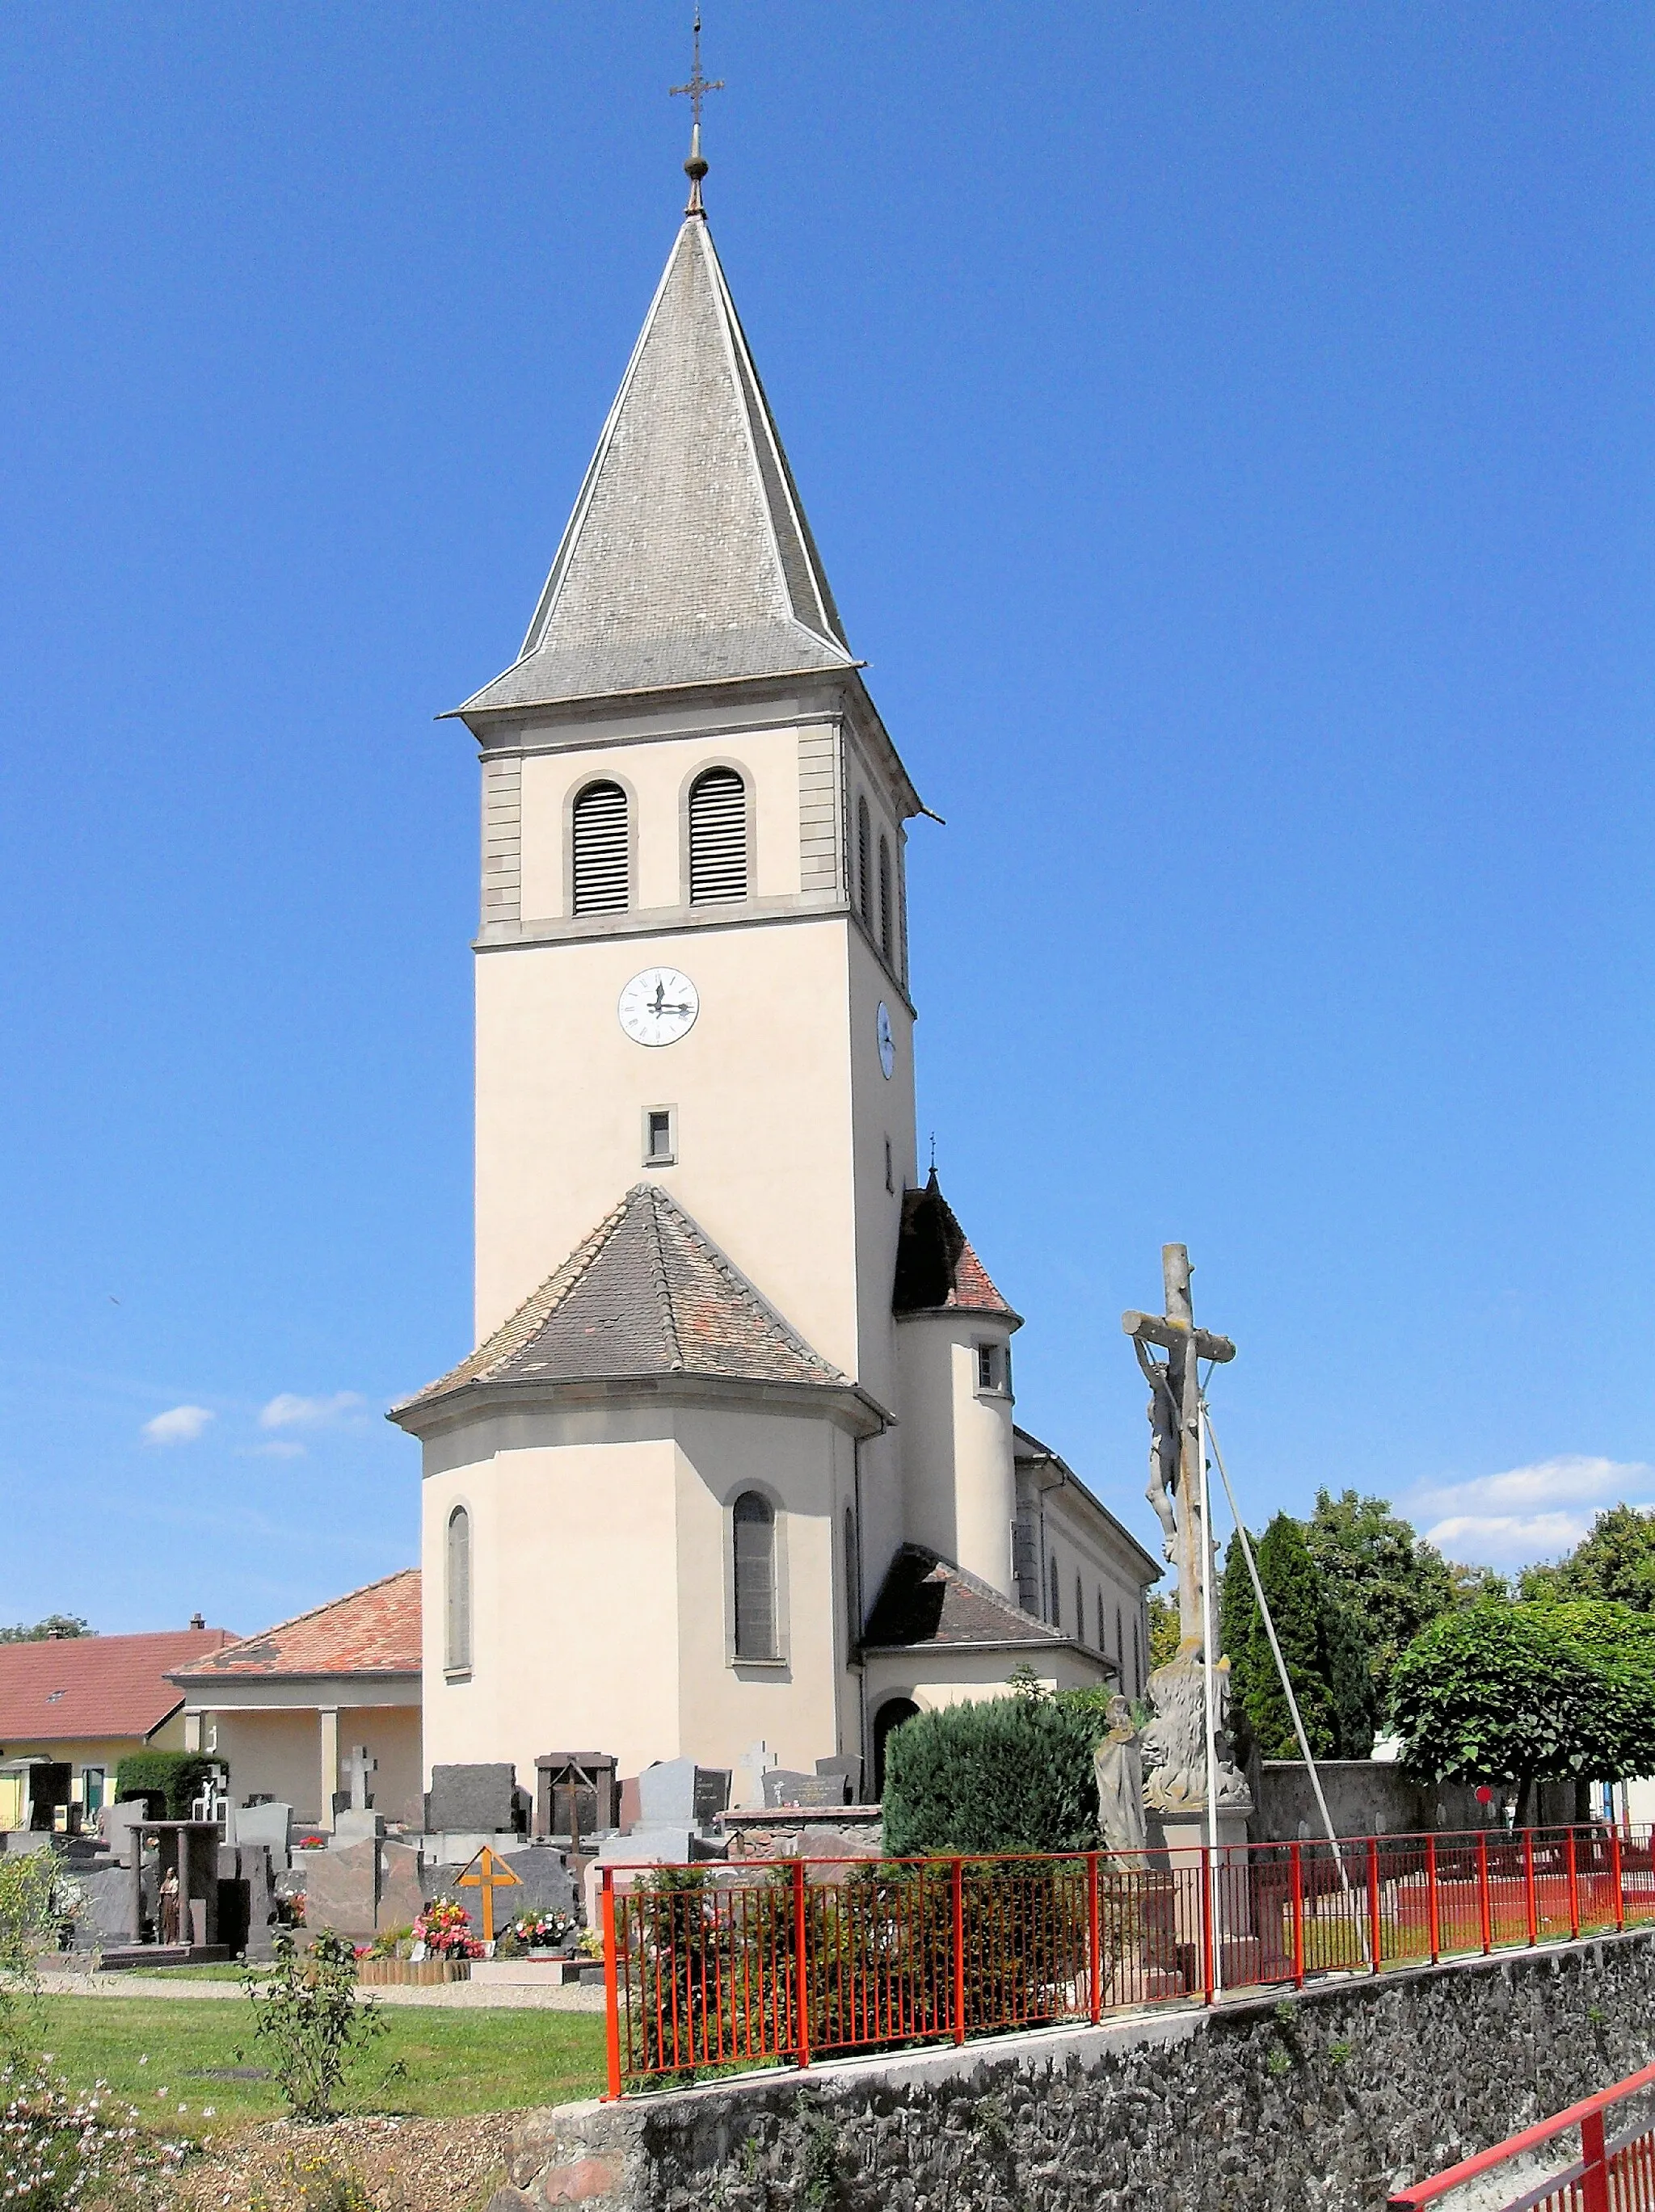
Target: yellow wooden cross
(487, 1873)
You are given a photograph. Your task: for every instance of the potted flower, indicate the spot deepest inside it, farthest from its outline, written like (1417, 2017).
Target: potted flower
(443, 1931)
(544, 1935)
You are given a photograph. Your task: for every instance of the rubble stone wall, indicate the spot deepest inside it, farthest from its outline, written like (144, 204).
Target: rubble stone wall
(1326, 2099)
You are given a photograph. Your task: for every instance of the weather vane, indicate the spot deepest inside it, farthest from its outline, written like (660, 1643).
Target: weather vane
(698, 88)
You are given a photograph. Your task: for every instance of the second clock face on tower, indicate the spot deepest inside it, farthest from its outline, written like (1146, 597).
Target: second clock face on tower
(887, 1043)
(658, 1006)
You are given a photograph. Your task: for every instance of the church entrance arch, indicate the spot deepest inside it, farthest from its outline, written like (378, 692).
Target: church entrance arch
(892, 1715)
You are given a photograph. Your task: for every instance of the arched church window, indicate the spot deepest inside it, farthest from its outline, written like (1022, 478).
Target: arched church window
(1080, 1610)
(718, 837)
(1103, 1639)
(603, 871)
(754, 1521)
(1057, 1598)
(853, 1582)
(864, 863)
(885, 898)
(459, 1593)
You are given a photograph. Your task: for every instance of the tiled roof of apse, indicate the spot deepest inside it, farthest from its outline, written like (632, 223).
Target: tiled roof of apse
(688, 558)
(84, 1688)
(936, 1267)
(648, 1293)
(372, 1630)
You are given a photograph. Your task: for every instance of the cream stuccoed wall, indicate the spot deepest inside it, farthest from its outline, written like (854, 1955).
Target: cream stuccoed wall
(601, 1615)
(957, 1464)
(972, 1675)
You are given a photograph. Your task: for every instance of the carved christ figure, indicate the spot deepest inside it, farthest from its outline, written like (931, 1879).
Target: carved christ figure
(1164, 1449)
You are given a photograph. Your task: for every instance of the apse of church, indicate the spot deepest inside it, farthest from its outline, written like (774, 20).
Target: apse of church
(735, 1457)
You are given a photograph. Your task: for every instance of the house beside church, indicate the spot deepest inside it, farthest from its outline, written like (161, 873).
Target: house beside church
(735, 1458)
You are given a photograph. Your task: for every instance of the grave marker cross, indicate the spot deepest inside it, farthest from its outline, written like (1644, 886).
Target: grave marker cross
(359, 1766)
(486, 1873)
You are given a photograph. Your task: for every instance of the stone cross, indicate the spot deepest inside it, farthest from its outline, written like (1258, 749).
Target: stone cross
(359, 1766)
(758, 1760)
(1175, 1469)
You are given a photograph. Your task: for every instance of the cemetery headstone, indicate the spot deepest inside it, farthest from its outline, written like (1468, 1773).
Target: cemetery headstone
(849, 1764)
(783, 1787)
(269, 1824)
(402, 1894)
(479, 1800)
(753, 1764)
(340, 1888)
(575, 1794)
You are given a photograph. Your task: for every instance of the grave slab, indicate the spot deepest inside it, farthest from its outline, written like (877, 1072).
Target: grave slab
(480, 1799)
(339, 1887)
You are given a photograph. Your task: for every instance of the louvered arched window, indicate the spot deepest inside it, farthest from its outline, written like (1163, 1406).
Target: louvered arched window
(864, 864)
(884, 897)
(1057, 1598)
(718, 837)
(603, 868)
(754, 1521)
(458, 1568)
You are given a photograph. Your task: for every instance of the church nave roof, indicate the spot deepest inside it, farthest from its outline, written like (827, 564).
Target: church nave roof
(648, 1293)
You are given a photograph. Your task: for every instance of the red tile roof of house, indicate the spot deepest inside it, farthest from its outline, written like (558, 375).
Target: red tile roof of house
(87, 1688)
(373, 1631)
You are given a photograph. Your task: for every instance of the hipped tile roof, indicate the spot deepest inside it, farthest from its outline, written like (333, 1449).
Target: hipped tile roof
(928, 1600)
(936, 1267)
(648, 1293)
(372, 1630)
(84, 1688)
(688, 558)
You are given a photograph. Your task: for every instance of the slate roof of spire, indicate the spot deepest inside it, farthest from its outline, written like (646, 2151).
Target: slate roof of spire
(688, 558)
(926, 1599)
(648, 1293)
(936, 1267)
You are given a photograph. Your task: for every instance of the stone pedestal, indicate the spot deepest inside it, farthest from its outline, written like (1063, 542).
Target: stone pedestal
(1177, 1842)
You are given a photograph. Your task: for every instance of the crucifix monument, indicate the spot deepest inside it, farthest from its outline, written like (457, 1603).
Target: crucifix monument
(1175, 1744)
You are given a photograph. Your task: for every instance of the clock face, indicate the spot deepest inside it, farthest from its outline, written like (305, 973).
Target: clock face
(658, 1006)
(887, 1043)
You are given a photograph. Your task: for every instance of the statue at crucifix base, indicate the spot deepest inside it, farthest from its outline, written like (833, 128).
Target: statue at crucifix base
(1175, 1743)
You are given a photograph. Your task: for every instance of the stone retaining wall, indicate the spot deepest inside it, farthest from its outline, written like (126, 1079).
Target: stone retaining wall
(1323, 2101)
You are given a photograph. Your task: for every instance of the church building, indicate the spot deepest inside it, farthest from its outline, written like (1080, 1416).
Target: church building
(735, 1459)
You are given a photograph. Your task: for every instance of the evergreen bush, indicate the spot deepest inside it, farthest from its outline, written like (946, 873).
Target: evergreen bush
(1009, 1774)
(177, 1778)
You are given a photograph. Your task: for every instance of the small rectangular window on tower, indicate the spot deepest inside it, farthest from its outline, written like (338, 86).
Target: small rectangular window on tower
(660, 1137)
(987, 1367)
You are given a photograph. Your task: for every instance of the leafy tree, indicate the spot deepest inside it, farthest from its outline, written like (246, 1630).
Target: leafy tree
(1163, 1631)
(1386, 1576)
(1348, 1665)
(1523, 1694)
(1297, 1598)
(1616, 1561)
(55, 1625)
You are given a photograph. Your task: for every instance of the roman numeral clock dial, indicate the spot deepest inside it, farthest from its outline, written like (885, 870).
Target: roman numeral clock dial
(658, 1006)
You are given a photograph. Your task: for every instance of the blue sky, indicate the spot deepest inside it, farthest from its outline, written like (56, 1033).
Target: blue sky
(1228, 431)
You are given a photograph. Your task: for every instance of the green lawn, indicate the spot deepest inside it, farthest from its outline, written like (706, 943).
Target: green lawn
(432, 2061)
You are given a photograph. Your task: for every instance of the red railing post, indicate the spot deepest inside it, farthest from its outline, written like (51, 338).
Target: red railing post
(1432, 1923)
(1529, 1897)
(1295, 1853)
(959, 1884)
(1376, 1930)
(1620, 1886)
(612, 1984)
(1093, 1934)
(1575, 1883)
(800, 1965)
(1594, 2181)
(1206, 1926)
(1483, 1898)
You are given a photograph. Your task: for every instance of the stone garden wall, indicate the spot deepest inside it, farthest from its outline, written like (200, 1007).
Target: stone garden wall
(1325, 2100)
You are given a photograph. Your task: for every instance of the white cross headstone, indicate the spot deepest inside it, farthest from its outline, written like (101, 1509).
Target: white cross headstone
(756, 1762)
(359, 1766)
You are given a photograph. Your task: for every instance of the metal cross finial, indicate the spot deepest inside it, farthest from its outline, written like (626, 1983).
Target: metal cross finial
(697, 88)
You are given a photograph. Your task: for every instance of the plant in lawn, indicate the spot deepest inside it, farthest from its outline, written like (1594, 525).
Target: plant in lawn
(27, 1929)
(307, 2012)
(62, 2148)
(446, 1931)
(316, 2185)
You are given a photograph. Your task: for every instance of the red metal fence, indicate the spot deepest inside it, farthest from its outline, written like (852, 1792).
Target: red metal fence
(740, 1964)
(1614, 2173)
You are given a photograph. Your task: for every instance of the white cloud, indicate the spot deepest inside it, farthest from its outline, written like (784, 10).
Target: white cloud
(1527, 1513)
(179, 1424)
(288, 1411)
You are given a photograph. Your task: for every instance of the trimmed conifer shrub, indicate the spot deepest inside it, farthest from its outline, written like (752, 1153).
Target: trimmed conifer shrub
(177, 1778)
(1009, 1774)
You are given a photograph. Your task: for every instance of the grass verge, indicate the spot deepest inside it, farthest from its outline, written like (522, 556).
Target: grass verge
(439, 2064)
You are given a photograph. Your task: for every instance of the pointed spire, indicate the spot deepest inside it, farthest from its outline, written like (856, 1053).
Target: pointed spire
(698, 88)
(688, 559)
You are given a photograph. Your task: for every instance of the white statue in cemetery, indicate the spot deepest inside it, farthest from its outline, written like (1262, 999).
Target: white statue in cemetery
(1117, 1763)
(1175, 1743)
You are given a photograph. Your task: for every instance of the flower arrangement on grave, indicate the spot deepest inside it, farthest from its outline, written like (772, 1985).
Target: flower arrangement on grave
(591, 1943)
(535, 1931)
(446, 1932)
